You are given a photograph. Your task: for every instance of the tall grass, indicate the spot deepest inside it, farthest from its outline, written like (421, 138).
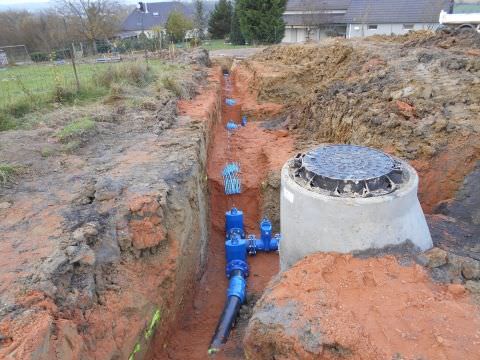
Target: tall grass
(7, 172)
(30, 88)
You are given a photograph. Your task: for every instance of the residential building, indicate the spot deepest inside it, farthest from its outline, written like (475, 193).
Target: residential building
(154, 15)
(392, 17)
(312, 20)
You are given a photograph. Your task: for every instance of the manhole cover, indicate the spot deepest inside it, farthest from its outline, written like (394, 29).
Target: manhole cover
(348, 170)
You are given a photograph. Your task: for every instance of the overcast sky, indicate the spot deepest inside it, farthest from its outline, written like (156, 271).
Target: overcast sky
(20, 2)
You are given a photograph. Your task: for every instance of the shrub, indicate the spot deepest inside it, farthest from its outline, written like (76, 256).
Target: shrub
(134, 73)
(7, 172)
(39, 56)
(172, 85)
(75, 129)
(62, 94)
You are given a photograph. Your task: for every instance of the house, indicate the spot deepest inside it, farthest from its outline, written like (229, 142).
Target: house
(392, 17)
(152, 15)
(3, 59)
(307, 20)
(316, 19)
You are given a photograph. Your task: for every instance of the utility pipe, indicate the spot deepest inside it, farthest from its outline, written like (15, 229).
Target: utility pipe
(237, 270)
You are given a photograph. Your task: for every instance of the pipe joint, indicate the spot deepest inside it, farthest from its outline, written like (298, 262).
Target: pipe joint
(237, 287)
(237, 265)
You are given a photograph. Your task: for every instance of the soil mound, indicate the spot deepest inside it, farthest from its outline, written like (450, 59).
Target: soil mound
(332, 306)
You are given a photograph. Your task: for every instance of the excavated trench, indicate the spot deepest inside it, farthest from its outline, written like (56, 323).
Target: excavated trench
(259, 152)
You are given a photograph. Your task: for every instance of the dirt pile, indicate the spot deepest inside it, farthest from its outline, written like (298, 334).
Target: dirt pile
(335, 306)
(97, 239)
(418, 102)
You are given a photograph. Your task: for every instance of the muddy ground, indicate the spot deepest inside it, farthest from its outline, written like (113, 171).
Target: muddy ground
(114, 249)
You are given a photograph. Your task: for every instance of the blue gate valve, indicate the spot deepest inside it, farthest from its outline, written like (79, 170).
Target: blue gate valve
(266, 243)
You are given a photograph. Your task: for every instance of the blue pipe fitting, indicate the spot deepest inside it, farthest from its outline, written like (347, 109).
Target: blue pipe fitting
(236, 249)
(266, 233)
(244, 120)
(230, 102)
(237, 287)
(234, 223)
(266, 243)
(231, 126)
(237, 265)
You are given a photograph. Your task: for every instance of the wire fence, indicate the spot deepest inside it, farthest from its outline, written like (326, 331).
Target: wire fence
(61, 74)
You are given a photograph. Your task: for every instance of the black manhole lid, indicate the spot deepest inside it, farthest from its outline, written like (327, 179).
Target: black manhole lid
(349, 170)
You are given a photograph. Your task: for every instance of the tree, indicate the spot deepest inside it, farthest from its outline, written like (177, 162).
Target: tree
(261, 21)
(236, 36)
(220, 21)
(92, 19)
(177, 26)
(199, 19)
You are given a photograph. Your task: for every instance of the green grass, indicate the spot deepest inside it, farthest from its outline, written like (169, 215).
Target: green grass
(220, 45)
(7, 172)
(75, 129)
(25, 89)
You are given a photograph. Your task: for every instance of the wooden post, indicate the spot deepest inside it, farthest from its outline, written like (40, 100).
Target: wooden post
(75, 67)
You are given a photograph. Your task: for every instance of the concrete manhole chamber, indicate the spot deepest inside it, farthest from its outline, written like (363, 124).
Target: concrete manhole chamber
(344, 198)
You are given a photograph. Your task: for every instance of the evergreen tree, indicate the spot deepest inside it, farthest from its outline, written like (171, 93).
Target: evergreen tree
(236, 36)
(219, 24)
(199, 19)
(261, 21)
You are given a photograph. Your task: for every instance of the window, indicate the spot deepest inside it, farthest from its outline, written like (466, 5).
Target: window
(408, 26)
(372, 27)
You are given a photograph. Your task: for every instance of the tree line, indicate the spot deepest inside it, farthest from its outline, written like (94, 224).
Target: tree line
(91, 21)
(88, 21)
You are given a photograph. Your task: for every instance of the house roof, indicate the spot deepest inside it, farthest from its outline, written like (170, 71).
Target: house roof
(313, 5)
(395, 11)
(317, 19)
(158, 13)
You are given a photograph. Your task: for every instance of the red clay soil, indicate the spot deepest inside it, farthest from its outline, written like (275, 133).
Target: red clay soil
(442, 176)
(331, 304)
(258, 151)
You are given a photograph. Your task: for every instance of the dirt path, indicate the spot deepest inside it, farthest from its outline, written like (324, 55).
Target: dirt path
(259, 151)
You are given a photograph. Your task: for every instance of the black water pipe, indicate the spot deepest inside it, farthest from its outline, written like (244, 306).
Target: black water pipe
(227, 320)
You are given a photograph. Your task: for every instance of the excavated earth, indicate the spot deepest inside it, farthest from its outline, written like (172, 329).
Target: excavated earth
(100, 245)
(116, 251)
(416, 97)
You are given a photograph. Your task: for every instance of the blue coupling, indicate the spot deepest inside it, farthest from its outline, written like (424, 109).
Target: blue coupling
(244, 120)
(231, 126)
(237, 287)
(237, 265)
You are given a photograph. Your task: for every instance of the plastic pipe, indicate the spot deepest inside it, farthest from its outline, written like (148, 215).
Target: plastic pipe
(236, 296)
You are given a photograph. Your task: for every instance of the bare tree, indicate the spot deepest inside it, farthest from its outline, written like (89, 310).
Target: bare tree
(92, 19)
(316, 17)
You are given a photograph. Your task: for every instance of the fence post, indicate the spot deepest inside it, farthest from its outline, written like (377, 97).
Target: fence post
(75, 67)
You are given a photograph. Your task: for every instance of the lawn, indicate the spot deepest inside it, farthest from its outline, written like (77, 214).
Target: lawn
(24, 89)
(220, 45)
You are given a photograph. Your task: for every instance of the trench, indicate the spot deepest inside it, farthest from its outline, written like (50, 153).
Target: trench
(254, 149)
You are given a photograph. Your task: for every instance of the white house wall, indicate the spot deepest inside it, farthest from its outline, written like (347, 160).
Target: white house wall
(361, 30)
(299, 34)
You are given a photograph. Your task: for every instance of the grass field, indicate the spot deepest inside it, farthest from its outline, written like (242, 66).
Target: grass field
(220, 45)
(24, 89)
